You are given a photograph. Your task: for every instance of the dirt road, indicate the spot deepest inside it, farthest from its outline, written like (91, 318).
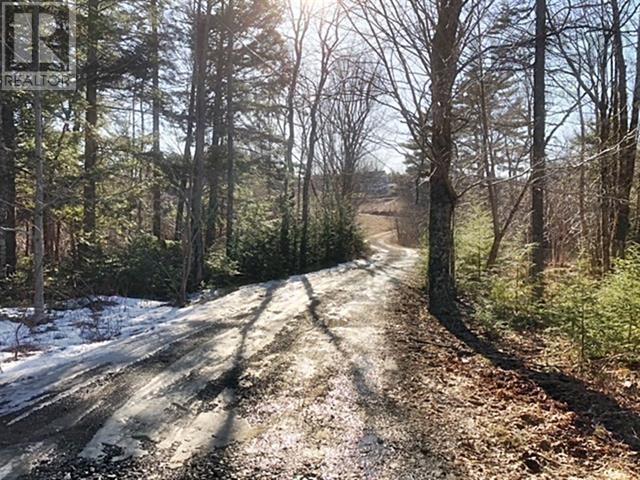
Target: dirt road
(276, 380)
(339, 374)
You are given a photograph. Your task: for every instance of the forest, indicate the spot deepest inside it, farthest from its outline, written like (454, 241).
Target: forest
(228, 203)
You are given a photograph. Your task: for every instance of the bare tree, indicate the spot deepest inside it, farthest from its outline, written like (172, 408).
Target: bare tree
(627, 134)
(349, 123)
(419, 46)
(300, 25)
(595, 55)
(328, 32)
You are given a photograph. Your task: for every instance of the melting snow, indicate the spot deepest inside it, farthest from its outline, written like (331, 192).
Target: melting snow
(79, 328)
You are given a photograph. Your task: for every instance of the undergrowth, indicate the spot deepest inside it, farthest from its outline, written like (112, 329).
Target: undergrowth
(145, 267)
(599, 314)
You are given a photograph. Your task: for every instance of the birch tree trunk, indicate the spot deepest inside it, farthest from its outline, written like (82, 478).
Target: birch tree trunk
(9, 180)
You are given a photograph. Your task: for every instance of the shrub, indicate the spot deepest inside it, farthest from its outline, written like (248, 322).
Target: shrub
(618, 303)
(333, 237)
(336, 237)
(256, 252)
(148, 267)
(145, 268)
(220, 268)
(572, 305)
(502, 296)
(18, 287)
(600, 315)
(473, 239)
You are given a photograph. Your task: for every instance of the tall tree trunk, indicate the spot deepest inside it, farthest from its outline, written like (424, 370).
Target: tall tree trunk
(4, 202)
(444, 60)
(636, 232)
(605, 167)
(184, 181)
(156, 192)
(8, 188)
(38, 217)
(184, 227)
(38, 233)
(201, 56)
(213, 208)
(327, 52)
(91, 143)
(488, 164)
(49, 232)
(216, 140)
(230, 132)
(582, 209)
(58, 235)
(288, 190)
(628, 136)
(306, 184)
(538, 161)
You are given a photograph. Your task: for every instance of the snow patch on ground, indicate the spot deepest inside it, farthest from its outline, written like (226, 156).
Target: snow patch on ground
(88, 326)
(85, 324)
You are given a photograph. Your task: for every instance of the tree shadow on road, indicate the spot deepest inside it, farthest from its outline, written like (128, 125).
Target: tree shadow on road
(359, 379)
(379, 409)
(591, 407)
(230, 380)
